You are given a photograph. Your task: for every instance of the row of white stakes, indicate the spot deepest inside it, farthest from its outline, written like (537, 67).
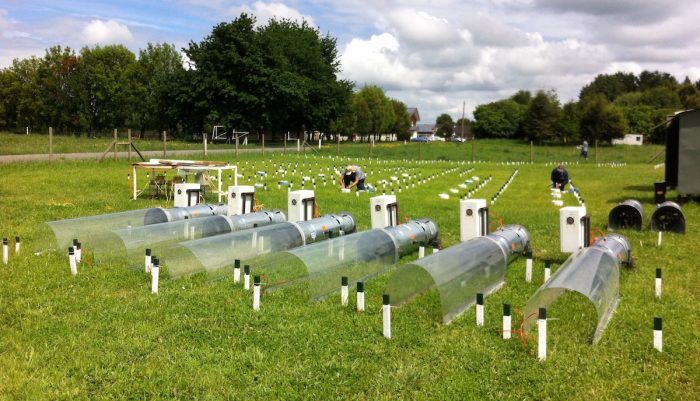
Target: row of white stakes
(152, 266)
(6, 249)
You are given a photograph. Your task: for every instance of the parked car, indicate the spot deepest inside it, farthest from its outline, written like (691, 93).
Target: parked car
(458, 139)
(420, 139)
(435, 138)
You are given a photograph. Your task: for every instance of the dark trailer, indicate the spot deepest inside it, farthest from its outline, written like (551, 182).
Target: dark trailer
(683, 153)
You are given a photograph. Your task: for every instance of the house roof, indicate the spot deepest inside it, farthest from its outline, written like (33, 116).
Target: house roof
(424, 128)
(413, 111)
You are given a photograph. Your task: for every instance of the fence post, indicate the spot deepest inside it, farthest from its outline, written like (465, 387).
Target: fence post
(115, 144)
(338, 146)
(596, 151)
(236, 144)
(165, 142)
(50, 143)
(263, 144)
(204, 140)
(473, 145)
(532, 152)
(129, 146)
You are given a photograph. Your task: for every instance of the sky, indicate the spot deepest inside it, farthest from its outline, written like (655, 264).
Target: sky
(435, 55)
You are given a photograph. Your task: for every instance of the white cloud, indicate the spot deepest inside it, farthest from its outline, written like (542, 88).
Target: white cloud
(106, 32)
(376, 62)
(267, 11)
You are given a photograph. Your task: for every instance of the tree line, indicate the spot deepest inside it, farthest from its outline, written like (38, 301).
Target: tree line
(609, 107)
(273, 79)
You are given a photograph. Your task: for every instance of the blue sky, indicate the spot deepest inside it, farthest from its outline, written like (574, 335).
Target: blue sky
(431, 55)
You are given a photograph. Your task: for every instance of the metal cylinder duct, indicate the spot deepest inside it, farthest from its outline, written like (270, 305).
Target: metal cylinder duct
(358, 256)
(159, 236)
(98, 229)
(668, 216)
(460, 271)
(162, 215)
(593, 272)
(216, 253)
(628, 214)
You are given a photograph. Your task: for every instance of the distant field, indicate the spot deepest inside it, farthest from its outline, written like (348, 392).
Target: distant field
(102, 335)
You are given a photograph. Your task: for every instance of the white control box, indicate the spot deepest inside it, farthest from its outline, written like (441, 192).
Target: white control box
(300, 205)
(241, 199)
(384, 211)
(473, 219)
(572, 229)
(186, 194)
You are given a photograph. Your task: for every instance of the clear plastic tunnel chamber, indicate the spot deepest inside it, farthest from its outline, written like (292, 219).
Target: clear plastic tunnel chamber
(217, 254)
(460, 271)
(358, 256)
(98, 229)
(134, 241)
(593, 272)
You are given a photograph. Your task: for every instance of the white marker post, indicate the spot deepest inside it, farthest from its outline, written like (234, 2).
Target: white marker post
(246, 277)
(147, 261)
(386, 316)
(237, 271)
(256, 293)
(658, 335)
(17, 245)
(506, 322)
(547, 270)
(78, 252)
(5, 251)
(528, 267)
(71, 261)
(658, 243)
(542, 334)
(421, 252)
(155, 273)
(479, 309)
(360, 296)
(344, 291)
(658, 282)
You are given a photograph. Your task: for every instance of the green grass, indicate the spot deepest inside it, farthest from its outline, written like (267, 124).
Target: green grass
(102, 335)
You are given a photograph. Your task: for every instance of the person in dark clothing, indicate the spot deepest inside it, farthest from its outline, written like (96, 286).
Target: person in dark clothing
(560, 177)
(584, 150)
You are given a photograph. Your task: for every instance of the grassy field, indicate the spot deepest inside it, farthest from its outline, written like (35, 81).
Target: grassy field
(102, 335)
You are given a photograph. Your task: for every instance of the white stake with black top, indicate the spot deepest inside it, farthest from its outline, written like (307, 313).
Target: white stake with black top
(360, 296)
(547, 270)
(17, 245)
(237, 271)
(78, 252)
(71, 261)
(542, 334)
(658, 335)
(506, 322)
(479, 309)
(528, 267)
(246, 277)
(386, 316)
(5, 251)
(155, 274)
(147, 261)
(658, 282)
(344, 291)
(256, 293)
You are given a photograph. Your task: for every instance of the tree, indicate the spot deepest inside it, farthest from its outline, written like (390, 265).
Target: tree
(402, 121)
(541, 119)
(103, 86)
(602, 120)
(153, 75)
(611, 86)
(570, 122)
(463, 128)
(375, 114)
(58, 105)
(655, 79)
(522, 97)
(445, 125)
(497, 119)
